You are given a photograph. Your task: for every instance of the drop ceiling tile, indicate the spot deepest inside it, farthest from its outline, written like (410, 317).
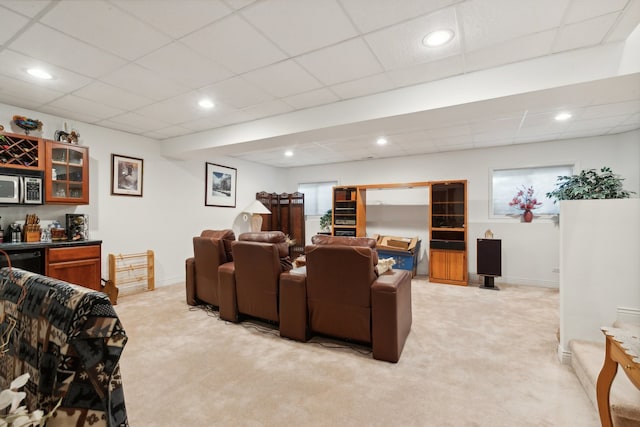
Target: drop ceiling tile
(585, 33)
(234, 44)
(200, 124)
(167, 132)
(59, 49)
(102, 25)
(239, 4)
(10, 23)
(353, 56)
(514, 50)
(113, 96)
(369, 15)
(137, 121)
(236, 92)
(28, 8)
(311, 98)
(79, 105)
(181, 108)
(177, 62)
(490, 22)
(266, 109)
(453, 141)
(285, 78)
(603, 122)
(364, 86)
(122, 127)
(15, 65)
(176, 18)
(429, 71)
(627, 22)
(69, 114)
(401, 45)
(632, 120)
(143, 82)
(608, 110)
(302, 25)
(30, 96)
(587, 9)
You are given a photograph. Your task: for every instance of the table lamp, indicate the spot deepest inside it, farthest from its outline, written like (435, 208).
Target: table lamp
(256, 209)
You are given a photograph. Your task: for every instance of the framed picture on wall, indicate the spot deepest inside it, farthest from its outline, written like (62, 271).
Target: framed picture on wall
(126, 175)
(220, 186)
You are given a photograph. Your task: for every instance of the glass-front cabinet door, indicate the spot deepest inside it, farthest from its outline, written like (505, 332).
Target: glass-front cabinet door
(67, 174)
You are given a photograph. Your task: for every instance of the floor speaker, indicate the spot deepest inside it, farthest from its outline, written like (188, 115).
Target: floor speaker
(489, 260)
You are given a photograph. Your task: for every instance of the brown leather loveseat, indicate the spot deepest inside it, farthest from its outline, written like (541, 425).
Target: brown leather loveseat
(210, 250)
(342, 296)
(250, 285)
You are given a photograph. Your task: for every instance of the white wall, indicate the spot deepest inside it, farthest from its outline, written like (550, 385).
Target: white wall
(599, 270)
(530, 252)
(171, 210)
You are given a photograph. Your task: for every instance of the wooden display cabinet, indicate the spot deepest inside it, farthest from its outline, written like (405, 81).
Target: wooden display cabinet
(80, 265)
(448, 233)
(66, 173)
(21, 151)
(349, 212)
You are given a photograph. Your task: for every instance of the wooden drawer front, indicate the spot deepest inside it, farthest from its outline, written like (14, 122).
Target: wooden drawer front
(73, 253)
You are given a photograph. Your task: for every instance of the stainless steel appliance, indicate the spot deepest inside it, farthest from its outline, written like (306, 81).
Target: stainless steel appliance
(21, 186)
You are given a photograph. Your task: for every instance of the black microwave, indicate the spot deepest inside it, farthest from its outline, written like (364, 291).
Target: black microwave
(21, 186)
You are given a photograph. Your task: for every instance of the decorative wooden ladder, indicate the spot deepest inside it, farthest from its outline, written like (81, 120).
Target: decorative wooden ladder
(131, 269)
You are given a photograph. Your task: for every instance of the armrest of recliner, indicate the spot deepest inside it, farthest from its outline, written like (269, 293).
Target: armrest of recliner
(391, 315)
(190, 280)
(293, 306)
(227, 292)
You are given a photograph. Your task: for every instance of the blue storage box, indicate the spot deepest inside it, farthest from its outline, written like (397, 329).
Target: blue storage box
(403, 250)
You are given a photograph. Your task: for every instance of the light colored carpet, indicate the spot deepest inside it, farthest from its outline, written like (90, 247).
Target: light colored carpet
(474, 357)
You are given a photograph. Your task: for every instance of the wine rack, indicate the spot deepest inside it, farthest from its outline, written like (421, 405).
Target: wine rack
(21, 151)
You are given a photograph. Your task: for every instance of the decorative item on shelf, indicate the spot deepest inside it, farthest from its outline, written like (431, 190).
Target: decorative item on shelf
(27, 124)
(488, 234)
(325, 221)
(526, 202)
(256, 209)
(590, 184)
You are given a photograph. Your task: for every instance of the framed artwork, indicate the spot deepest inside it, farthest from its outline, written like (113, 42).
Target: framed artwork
(126, 175)
(220, 186)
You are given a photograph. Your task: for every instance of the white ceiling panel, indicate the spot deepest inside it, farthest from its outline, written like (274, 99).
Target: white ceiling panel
(490, 22)
(283, 79)
(113, 96)
(355, 59)
(106, 27)
(302, 25)
(370, 15)
(628, 22)
(143, 82)
(167, 132)
(237, 92)
(27, 8)
(585, 33)
(10, 23)
(176, 18)
(401, 45)
(582, 10)
(267, 109)
(311, 99)
(364, 86)
(135, 120)
(15, 65)
(53, 47)
(79, 105)
(427, 72)
(30, 96)
(181, 64)
(234, 44)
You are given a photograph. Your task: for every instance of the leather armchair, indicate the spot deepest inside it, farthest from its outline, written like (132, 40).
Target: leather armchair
(342, 296)
(250, 285)
(210, 250)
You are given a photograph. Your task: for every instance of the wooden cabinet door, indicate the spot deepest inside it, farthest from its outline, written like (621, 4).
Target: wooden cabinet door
(66, 173)
(447, 266)
(438, 265)
(84, 273)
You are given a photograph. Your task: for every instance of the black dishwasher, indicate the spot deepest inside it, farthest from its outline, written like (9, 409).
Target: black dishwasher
(26, 259)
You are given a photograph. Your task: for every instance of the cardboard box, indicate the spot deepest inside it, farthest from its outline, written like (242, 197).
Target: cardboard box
(407, 244)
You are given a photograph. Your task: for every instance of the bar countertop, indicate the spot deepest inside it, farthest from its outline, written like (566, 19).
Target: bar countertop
(8, 247)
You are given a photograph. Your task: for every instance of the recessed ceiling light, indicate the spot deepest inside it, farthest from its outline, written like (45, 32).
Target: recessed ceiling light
(381, 141)
(437, 38)
(39, 73)
(563, 116)
(288, 153)
(206, 103)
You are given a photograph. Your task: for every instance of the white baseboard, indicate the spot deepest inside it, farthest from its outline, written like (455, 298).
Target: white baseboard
(564, 356)
(628, 315)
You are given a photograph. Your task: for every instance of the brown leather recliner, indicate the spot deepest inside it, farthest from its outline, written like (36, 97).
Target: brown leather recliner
(250, 285)
(342, 296)
(210, 250)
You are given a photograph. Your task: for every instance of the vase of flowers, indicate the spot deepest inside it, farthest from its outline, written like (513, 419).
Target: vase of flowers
(526, 202)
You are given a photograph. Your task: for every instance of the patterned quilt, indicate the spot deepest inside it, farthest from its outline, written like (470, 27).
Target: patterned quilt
(69, 339)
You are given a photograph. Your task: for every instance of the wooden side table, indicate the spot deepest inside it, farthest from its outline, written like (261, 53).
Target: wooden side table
(622, 348)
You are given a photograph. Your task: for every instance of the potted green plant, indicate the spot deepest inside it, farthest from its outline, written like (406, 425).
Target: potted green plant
(589, 184)
(325, 221)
